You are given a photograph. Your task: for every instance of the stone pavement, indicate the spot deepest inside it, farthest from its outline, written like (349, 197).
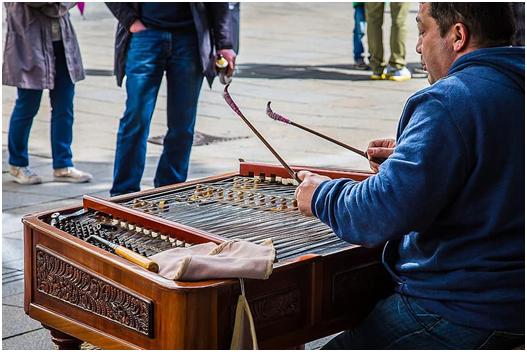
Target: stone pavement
(298, 55)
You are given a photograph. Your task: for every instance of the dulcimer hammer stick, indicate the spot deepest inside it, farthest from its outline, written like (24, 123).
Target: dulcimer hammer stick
(278, 117)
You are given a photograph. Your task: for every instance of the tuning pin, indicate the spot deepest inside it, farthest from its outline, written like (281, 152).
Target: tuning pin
(54, 219)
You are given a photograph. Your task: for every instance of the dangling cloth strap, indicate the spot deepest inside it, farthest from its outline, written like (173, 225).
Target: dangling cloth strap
(244, 334)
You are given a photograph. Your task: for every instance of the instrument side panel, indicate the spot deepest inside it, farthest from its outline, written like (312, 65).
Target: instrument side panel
(113, 307)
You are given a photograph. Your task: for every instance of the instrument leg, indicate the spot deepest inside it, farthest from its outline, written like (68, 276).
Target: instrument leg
(64, 341)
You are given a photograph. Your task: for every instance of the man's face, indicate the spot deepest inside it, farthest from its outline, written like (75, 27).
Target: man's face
(437, 54)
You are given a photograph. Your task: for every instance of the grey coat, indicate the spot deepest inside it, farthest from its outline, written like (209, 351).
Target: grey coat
(212, 22)
(28, 55)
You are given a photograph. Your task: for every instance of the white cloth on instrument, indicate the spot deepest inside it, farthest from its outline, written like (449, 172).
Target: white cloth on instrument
(231, 259)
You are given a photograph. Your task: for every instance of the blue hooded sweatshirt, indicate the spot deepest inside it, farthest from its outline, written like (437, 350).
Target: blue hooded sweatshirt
(450, 199)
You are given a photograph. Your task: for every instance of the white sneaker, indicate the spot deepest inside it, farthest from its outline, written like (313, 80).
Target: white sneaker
(400, 75)
(71, 174)
(24, 175)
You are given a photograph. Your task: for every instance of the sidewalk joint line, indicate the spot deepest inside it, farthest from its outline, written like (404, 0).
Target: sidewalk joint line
(21, 333)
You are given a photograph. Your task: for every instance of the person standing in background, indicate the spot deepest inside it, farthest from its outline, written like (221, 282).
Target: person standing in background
(519, 15)
(234, 8)
(358, 32)
(181, 39)
(42, 52)
(396, 69)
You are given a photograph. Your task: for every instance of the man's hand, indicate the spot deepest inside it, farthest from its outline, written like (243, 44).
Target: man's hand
(230, 56)
(380, 149)
(137, 26)
(304, 192)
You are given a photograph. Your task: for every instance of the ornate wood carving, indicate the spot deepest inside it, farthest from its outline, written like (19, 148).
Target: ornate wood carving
(270, 308)
(71, 284)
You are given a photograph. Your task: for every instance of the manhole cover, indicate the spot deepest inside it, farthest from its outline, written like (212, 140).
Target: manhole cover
(200, 138)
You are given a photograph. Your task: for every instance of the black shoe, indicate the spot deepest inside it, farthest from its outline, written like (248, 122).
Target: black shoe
(361, 65)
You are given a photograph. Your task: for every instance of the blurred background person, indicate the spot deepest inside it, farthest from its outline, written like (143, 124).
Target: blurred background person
(396, 69)
(41, 52)
(519, 16)
(234, 8)
(358, 32)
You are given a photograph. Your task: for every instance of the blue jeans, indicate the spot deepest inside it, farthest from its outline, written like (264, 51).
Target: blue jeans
(26, 108)
(358, 32)
(151, 53)
(398, 322)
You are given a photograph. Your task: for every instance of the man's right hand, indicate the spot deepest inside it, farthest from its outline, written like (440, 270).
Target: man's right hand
(380, 149)
(230, 56)
(137, 26)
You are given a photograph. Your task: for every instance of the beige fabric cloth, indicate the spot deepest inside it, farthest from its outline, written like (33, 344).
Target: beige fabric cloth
(231, 259)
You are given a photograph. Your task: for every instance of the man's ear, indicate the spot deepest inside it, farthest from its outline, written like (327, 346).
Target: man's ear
(461, 37)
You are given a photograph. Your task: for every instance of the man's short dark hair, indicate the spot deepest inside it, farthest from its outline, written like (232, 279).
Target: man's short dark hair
(489, 23)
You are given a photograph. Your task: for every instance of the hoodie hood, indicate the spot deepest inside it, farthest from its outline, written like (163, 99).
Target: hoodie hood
(508, 60)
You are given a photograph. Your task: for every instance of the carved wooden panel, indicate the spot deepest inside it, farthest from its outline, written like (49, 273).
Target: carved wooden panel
(67, 282)
(276, 306)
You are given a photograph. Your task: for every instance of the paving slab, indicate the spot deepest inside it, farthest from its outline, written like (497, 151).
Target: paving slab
(39, 339)
(10, 288)
(317, 344)
(12, 249)
(11, 224)
(16, 300)
(24, 323)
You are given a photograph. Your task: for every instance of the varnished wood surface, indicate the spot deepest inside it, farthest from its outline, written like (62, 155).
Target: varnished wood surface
(305, 298)
(256, 169)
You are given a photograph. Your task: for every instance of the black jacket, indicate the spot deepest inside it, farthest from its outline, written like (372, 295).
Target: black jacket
(212, 22)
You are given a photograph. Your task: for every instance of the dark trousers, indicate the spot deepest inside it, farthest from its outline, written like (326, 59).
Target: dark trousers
(26, 108)
(358, 32)
(152, 53)
(399, 323)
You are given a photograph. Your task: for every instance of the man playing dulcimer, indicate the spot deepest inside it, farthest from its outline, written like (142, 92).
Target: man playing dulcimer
(448, 201)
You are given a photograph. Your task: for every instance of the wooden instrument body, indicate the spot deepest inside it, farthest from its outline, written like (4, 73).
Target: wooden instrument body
(95, 296)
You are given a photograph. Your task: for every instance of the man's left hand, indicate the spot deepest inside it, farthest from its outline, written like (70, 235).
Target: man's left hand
(230, 56)
(304, 192)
